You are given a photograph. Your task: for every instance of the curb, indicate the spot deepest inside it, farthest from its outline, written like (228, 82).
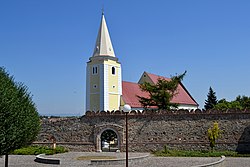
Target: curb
(117, 161)
(214, 164)
(41, 159)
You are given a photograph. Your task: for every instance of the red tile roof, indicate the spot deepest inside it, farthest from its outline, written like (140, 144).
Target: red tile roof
(130, 90)
(155, 78)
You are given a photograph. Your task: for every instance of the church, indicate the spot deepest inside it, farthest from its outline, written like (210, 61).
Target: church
(105, 90)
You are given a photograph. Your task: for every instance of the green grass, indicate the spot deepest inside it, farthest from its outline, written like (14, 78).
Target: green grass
(35, 150)
(181, 153)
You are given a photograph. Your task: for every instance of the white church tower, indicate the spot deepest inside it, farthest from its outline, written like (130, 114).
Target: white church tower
(104, 80)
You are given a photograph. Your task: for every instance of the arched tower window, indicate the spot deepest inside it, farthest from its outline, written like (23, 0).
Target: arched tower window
(113, 70)
(94, 70)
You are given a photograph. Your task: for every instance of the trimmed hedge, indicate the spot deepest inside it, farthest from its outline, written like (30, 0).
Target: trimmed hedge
(35, 150)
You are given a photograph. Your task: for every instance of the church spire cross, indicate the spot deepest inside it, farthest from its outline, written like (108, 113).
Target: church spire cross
(102, 10)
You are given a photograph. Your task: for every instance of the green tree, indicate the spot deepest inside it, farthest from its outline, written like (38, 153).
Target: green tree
(244, 101)
(213, 134)
(240, 103)
(19, 120)
(211, 99)
(223, 105)
(161, 93)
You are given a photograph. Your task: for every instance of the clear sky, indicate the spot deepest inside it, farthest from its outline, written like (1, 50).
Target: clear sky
(46, 43)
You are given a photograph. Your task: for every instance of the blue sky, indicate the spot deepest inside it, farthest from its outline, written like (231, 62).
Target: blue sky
(46, 43)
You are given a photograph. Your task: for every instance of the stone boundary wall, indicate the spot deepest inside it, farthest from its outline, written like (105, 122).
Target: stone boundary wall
(151, 130)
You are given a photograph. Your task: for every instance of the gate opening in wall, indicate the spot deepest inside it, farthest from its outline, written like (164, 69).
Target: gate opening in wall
(109, 141)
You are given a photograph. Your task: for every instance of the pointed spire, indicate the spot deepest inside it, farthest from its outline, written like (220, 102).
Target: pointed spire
(103, 46)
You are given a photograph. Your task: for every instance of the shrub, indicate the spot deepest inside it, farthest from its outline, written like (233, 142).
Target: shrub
(35, 150)
(213, 134)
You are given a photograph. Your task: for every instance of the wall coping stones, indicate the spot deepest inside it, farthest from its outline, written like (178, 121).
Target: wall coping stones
(164, 112)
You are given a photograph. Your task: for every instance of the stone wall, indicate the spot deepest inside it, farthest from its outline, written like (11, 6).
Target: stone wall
(150, 131)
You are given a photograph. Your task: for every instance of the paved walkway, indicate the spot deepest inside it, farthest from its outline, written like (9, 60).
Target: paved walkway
(69, 160)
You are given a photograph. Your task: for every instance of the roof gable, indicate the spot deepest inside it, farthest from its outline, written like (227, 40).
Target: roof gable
(131, 90)
(145, 78)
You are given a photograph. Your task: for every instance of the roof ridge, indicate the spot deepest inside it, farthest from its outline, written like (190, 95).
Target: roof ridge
(159, 76)
(130, 82)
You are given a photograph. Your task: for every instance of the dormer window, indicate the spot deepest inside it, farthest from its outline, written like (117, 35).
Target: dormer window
(113, 70)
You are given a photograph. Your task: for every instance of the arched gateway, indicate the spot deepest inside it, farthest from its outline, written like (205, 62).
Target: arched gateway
(101, 129)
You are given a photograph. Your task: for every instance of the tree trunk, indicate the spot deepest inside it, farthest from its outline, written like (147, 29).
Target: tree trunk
(6, 160)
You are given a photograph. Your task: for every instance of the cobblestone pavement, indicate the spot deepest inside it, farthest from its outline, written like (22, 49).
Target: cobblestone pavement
(69, 160)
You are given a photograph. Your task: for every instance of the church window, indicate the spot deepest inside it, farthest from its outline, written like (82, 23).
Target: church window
(113, 70)
(94, 70)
